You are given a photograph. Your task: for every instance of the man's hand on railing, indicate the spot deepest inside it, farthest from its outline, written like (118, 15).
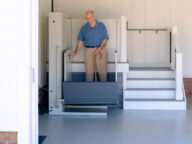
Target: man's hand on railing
(79, 44)
(72, 54)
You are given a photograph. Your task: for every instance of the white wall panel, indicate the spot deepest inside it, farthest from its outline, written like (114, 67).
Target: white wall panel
(177, 17)
(126, 9)
(136, 42)
(111, 25)
(8, 60)
(73, 8)
(76, 26)
(163, 13)
(138, 13)
(88, 4)
(150, 52)
(163, 49)
(107, 8)
(150, 14)
(44, 9)
(187, 39)
(137, 49)
(142, 14)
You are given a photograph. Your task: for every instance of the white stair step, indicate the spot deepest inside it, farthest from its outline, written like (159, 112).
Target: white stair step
(150, 68)
(150, 83)
(149, 93)
(152, 104)
(151, 73)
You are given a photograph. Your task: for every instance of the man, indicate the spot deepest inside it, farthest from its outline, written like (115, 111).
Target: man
(94, 36)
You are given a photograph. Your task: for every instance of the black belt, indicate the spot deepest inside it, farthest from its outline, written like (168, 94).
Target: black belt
(92, 46)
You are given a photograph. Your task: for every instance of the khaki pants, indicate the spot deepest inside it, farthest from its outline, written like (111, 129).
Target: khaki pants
(101, 64)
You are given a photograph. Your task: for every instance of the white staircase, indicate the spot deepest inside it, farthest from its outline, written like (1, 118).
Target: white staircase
(151, 88)
(157, 88)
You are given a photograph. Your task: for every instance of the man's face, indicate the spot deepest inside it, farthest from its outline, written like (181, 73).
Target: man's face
(90, 18)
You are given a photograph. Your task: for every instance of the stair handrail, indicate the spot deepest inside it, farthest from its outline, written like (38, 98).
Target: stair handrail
(176, 64)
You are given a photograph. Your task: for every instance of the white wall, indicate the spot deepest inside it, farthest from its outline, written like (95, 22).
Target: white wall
(141, 14)
(187, 38)
(18, 45)
(8, 66)
(44, 9)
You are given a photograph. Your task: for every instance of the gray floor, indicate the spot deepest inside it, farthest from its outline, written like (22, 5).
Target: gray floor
(120, 127)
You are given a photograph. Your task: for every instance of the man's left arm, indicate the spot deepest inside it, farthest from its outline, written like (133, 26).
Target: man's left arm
(103, 44)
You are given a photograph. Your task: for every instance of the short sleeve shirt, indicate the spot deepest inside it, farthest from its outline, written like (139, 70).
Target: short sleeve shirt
(93, 36)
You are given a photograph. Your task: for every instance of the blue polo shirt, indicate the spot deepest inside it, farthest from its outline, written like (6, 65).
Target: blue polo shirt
(93, 36)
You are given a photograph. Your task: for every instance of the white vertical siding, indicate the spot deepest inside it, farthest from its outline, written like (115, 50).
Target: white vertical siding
(44, 9)
(143, 14)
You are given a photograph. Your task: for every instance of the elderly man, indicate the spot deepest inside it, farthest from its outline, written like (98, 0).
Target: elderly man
(94, 36)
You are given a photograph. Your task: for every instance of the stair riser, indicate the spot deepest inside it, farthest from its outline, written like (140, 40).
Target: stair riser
(150, 84)
(155, 105)
(151, 74)
(149, 94)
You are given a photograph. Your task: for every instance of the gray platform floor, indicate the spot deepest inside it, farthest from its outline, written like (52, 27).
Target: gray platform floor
(120, 127)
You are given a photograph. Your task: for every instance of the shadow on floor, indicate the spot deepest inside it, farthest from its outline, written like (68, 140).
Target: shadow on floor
(41, 139)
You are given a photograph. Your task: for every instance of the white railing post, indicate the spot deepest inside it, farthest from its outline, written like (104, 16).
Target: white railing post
(177, 64)
(123, 54)
(179, 79)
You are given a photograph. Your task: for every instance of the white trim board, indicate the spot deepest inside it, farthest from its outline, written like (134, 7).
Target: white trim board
(121, 67)
(27, 62)
(155, 105)
(187, 76)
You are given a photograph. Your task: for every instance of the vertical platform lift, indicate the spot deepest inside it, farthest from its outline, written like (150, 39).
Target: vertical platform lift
(87, 98)
(68, 94)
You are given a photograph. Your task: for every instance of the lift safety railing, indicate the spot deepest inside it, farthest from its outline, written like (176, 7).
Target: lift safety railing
(60, 100)
(68, 65)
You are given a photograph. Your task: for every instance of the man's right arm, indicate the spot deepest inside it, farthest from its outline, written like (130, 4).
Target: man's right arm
(79, 44)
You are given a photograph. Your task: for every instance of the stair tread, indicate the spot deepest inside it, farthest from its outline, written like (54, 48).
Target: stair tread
(150, 78)
(150, 89)
(150, 69)
(153, 100)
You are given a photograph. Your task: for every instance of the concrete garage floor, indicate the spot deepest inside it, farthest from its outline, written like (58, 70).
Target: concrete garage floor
(120, 127)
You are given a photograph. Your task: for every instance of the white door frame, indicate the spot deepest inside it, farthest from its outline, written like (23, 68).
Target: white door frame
(27, 44)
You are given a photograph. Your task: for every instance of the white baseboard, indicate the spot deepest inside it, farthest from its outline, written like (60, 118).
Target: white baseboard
(155, 105)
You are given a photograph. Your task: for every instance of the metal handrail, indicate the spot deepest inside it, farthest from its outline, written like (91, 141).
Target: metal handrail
(146, 29)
